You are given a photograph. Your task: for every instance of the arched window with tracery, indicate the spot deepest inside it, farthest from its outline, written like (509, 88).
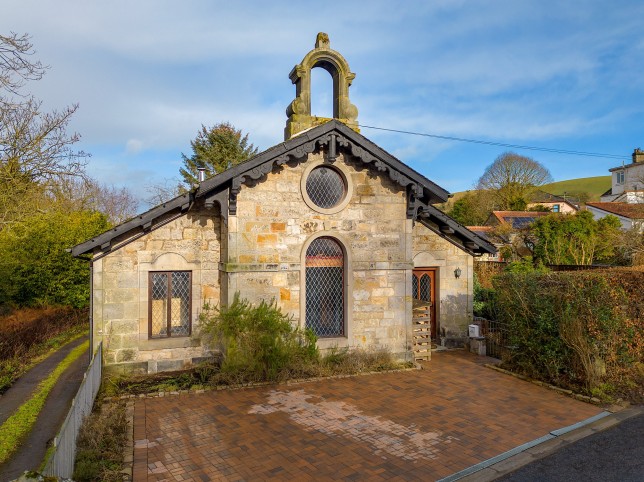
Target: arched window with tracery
(325, 288)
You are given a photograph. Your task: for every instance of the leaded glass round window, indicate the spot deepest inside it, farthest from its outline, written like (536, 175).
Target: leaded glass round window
(325, 187)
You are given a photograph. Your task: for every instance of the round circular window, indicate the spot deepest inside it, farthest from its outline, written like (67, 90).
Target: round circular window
(325, 187)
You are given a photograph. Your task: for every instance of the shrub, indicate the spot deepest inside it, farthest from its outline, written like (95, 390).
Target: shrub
(35, 269)
(29, 333)
(582, 329)
(483, 300)
(343, 361)
(22, 329)
(100, 442)
(525, 265)
(257, 341)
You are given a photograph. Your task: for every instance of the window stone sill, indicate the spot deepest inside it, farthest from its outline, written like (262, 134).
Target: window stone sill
(148, 344)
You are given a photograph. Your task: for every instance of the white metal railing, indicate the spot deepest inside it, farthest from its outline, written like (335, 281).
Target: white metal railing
(61, 461)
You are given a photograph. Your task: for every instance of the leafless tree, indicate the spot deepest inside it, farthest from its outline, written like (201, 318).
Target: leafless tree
(15, 66)
(76, 194)
(35, 148)
(160, 193)
(511, 177)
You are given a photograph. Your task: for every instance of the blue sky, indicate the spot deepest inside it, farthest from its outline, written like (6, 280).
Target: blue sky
(147, 74)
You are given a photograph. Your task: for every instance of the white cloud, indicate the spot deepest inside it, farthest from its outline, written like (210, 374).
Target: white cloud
(147, 74)
(134, 146)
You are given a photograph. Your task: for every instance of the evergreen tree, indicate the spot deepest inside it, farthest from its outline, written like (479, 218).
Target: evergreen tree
(216, 149)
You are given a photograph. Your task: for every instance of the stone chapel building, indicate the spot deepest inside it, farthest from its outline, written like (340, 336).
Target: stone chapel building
(339, 232)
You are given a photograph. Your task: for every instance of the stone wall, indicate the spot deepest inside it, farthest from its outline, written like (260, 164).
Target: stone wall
(120, 292)
(274, 225)
(260, 253)
(454, 311)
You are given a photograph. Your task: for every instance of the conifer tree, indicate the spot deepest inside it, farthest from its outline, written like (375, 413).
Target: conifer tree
(216, 149)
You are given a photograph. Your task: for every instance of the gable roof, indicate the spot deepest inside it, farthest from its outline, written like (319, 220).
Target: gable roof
(542, 197)
(334, 136)
(627, 210)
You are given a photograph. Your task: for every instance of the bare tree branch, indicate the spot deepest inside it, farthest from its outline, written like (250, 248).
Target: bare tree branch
(15, 66)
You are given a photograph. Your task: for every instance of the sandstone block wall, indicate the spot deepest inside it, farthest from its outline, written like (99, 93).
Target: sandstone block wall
(260, 253)
(454, 310)
(120, 292)
(267, 242)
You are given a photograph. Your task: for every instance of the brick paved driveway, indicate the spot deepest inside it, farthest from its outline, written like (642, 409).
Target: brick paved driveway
(413, 425)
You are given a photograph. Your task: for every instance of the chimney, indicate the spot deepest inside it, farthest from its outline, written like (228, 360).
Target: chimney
(202, 174)
(638, 155)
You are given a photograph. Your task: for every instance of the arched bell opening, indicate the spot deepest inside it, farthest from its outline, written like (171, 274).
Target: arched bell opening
(322, 93)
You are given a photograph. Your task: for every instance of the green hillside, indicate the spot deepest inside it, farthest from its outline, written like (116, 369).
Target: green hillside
(595, 186)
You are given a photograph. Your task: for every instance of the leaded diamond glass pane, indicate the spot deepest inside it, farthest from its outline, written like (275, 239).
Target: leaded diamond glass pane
(425, 285)
(325, 288)
(325, 187)
(159, 312)
(180, 304)
(414, 287)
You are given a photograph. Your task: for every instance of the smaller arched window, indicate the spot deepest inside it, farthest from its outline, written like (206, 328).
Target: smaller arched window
(325, 288)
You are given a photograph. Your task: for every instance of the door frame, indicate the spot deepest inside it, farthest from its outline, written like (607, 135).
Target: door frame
(433, 272)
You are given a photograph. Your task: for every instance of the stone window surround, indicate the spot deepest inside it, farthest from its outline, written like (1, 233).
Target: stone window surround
(341, 169)
(169, 300)
(169, 261)
(343, 341)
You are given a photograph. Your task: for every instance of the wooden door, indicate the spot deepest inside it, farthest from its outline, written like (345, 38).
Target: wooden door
(424, 288)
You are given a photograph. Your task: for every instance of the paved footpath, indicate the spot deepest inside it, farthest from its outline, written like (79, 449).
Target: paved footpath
(32, 451)
(609, 454)
(413, 425)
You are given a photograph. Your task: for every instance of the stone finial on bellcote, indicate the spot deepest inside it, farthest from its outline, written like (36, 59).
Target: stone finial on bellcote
(299, 110)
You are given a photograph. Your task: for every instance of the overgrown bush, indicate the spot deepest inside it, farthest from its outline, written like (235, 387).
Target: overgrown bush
(35, 269)
(28, 333)
(100, 443)
(483, 304)
(344, 361)
(337, 361)
(22, 329)
(577, 329)
(258, 342)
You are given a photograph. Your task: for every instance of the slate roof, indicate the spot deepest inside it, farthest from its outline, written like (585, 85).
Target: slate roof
(332, 136)
(542, 197)
(539, 196)
(627, 210)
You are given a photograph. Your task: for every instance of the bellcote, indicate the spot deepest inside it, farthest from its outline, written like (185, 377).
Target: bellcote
(299, 110)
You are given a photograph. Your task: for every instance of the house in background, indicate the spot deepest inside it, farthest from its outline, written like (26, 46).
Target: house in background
(556, 204)
(514, 219)
(339, 232)
(491, 236)
(627, 181)
(629, 214)
(506, 229)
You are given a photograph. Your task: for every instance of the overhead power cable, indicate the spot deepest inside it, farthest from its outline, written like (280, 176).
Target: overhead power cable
(501, 144)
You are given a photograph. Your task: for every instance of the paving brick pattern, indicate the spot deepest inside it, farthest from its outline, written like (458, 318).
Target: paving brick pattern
(414, 425)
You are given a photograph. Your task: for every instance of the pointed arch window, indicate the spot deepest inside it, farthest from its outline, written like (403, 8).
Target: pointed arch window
(325, 288)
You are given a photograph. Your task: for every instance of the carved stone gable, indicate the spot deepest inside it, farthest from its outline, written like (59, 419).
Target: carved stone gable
(299, 110)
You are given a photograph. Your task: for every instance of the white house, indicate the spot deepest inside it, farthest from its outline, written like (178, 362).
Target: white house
(631, 215)
(627, 182)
